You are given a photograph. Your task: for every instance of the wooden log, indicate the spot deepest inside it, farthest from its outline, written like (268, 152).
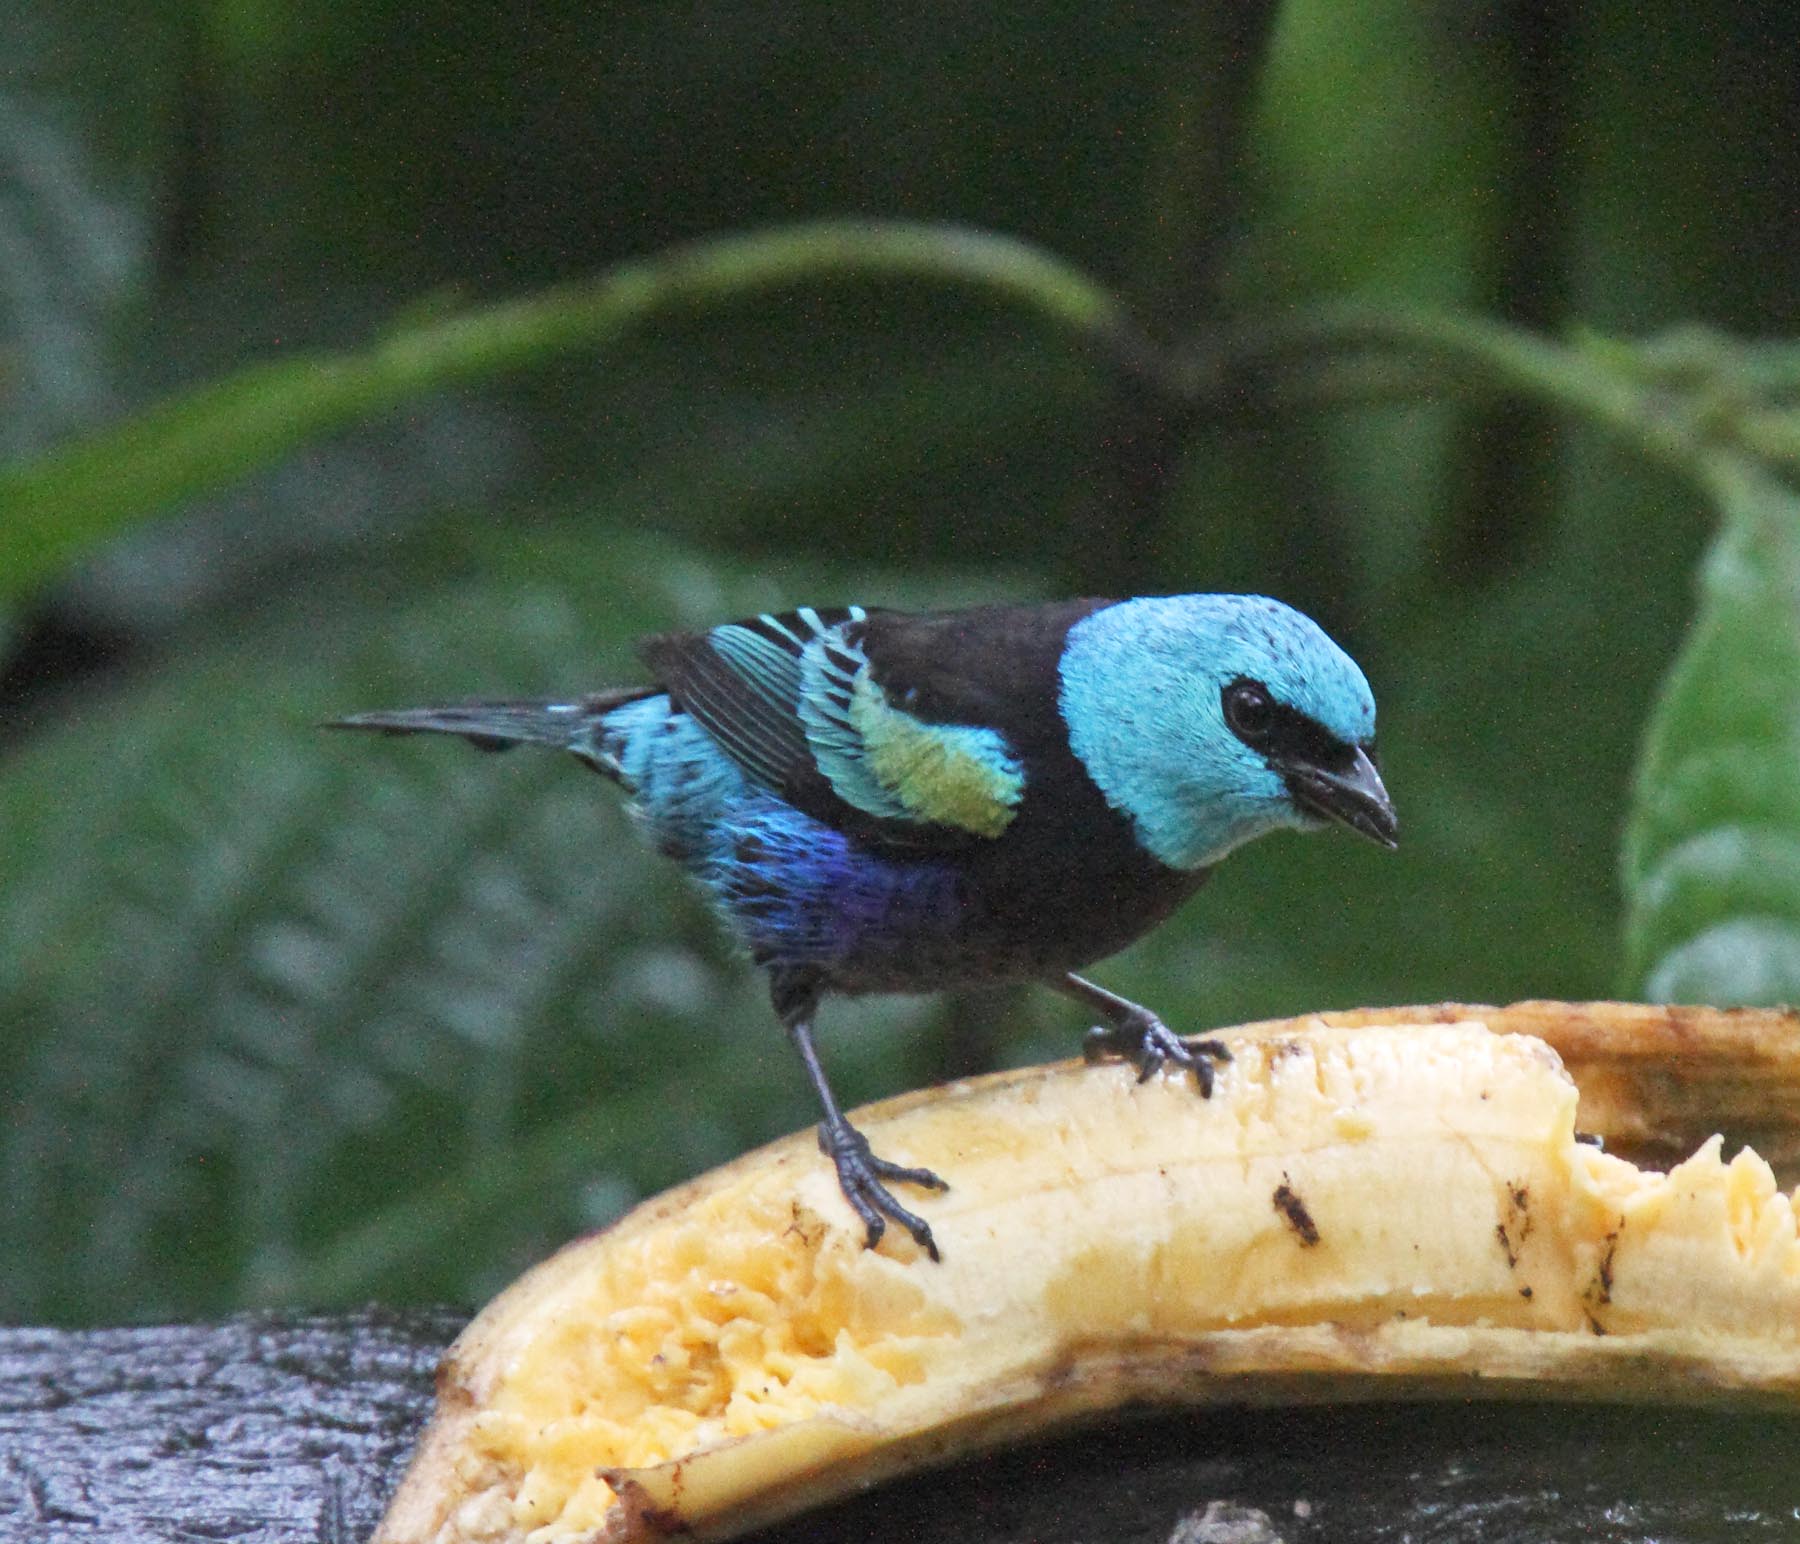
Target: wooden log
(293, 1429)
(266, 1428)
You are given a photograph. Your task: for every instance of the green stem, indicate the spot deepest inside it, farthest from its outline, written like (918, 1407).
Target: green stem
(61, 502)
(1470, 353)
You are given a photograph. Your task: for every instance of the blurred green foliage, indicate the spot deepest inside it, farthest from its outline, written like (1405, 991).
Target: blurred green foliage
(362, 355)
(1712, 856)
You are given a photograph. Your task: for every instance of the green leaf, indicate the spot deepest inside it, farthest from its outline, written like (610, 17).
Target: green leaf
(1712, 851)
(298, 1016)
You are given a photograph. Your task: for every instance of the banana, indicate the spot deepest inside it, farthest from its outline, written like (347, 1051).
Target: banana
(1656, 1080)
(1395, 1203)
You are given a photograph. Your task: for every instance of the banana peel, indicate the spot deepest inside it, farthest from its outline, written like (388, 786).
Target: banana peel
(1381, 1204)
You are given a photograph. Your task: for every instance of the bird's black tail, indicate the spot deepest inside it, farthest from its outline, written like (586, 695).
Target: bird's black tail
(571, 724)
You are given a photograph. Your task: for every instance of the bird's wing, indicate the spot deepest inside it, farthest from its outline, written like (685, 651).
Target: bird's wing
(742, 681)
(795, 700)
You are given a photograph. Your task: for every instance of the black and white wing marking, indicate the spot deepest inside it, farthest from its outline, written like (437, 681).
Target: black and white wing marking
(742, 682)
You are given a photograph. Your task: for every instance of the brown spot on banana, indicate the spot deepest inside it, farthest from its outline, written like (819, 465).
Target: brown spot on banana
(1288, 1203)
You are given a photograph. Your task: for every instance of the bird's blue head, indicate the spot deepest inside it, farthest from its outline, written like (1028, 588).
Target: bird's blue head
(1211, 719)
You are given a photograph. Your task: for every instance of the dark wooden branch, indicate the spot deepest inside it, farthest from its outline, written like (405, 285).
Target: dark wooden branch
(266, 1429)
(292, 1430)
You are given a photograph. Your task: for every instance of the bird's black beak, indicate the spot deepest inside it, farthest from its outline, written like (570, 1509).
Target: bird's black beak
(1353, 795)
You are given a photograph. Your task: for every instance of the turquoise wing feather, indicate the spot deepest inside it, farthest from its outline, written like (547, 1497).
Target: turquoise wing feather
(794, 700)
(891, 764)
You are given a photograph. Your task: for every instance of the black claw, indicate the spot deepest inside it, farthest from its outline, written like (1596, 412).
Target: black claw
(1149, 1044)
(860, 1175)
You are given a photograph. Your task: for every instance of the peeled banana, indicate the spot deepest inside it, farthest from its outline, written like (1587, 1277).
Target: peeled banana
(1382, 1204)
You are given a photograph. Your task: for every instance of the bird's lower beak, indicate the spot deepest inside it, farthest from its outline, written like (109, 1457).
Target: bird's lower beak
(1354, 797)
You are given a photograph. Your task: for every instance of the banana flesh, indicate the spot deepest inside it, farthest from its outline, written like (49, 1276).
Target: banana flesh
(1391, 1207)
(1655, 1080)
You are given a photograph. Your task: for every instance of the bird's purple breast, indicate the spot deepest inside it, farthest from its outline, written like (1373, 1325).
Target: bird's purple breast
(800, 893)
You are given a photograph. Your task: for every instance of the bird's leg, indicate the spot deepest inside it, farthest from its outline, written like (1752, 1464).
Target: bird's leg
(860, 1173)
(1137, 1035)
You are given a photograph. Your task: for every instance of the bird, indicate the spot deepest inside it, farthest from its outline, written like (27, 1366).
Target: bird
(884, 801)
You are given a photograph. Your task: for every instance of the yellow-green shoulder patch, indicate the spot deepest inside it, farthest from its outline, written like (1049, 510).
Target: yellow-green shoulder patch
(951, 774)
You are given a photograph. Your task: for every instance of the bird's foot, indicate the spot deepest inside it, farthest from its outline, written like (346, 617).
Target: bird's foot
(1142, 1039)
(860, 1174)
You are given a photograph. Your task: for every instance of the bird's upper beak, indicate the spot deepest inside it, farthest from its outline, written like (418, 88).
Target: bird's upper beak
(1354, 796)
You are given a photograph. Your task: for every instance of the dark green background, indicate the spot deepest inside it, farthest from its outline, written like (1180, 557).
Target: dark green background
(287, 1017)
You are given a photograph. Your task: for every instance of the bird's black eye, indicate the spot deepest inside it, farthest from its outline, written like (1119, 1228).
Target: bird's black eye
(1249, 713)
